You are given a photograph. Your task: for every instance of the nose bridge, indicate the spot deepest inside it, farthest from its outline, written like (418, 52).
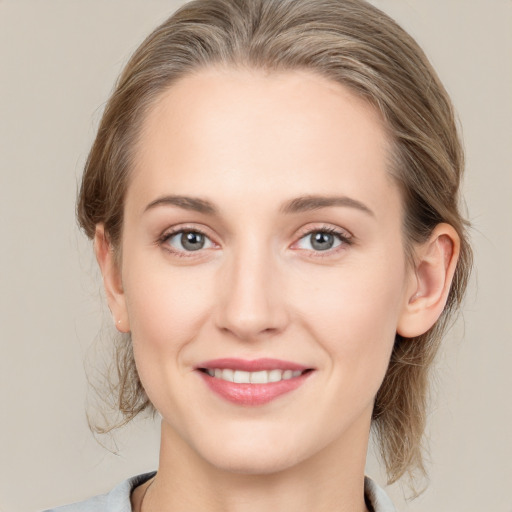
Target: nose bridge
(252, 301)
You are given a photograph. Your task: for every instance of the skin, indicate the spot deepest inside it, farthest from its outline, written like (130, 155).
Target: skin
(249, 143)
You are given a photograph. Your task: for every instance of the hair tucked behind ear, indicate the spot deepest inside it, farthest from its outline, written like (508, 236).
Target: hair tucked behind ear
(358, 46)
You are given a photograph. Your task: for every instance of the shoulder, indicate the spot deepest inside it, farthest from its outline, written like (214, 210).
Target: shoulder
(376, 498)
(117, 500)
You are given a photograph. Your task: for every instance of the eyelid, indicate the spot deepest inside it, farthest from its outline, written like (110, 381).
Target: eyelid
(346, 239)
(344, 235)
(181, 228)
(330, 228)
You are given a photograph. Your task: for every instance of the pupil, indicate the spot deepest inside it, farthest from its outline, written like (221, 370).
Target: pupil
(192, 241)
(322, 241)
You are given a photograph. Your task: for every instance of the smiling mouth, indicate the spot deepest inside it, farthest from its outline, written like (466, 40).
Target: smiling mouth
(258, 377)
(252, 382)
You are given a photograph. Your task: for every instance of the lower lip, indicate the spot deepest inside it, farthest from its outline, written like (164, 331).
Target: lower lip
(252, 394)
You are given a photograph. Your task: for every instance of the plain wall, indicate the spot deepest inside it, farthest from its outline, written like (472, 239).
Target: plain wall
(58, 62)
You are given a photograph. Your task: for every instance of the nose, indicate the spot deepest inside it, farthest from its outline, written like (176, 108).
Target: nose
(251, 302)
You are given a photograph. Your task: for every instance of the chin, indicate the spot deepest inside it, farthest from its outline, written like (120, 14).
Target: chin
(252, 464)
(253, 454)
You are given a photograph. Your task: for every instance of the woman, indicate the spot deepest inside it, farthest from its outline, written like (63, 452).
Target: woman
(272, 195)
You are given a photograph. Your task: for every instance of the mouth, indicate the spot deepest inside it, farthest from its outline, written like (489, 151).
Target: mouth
(254, 382)
(260, 377)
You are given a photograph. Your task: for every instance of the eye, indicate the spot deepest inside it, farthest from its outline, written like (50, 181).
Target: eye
(322, 240)
(187, 241)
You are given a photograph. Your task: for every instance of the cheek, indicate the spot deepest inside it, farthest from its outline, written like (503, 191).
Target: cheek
(166, 307)
(353, 313)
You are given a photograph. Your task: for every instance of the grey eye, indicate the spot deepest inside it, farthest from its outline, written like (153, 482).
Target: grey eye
(189, 241)
(320, 241)
(192, 241)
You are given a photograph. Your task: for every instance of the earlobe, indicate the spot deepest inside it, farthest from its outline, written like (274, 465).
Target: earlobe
(111, 279)
(435, 263)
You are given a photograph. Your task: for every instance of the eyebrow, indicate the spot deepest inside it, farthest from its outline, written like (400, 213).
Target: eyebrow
(185, 202)
(308, 203)
(297, 205)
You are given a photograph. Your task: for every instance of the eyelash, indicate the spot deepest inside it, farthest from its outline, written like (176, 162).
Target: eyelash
(344, 238)
(169, 234)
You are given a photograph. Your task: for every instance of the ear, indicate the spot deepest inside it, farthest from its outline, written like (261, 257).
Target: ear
(111, 279)
(435, 263)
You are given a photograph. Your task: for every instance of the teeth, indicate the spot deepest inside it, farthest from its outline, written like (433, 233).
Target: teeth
(241, 377)
(274, 375)
(227, 375)
(261, 377)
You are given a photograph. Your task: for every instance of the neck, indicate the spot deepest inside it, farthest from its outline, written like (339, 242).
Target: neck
(331, 480)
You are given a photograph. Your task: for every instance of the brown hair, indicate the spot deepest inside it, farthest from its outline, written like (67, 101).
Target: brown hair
(358, 46)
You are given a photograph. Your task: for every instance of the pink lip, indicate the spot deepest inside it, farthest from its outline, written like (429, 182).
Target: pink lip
(255, 365)
(252, 394)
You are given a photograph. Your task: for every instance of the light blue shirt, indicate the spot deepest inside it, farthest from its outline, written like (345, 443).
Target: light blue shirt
(118, 499)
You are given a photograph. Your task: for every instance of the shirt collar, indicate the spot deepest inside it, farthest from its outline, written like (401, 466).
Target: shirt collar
(376, 497)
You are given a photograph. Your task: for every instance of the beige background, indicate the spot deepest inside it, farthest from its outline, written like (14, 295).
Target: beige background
(58, 61)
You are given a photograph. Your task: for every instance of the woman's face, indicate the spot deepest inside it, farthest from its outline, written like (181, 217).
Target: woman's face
(262, 240)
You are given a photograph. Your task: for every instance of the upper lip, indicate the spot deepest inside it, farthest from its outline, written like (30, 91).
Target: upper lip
(254, 365)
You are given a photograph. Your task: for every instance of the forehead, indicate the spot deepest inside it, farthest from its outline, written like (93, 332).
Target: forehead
(261, 134)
